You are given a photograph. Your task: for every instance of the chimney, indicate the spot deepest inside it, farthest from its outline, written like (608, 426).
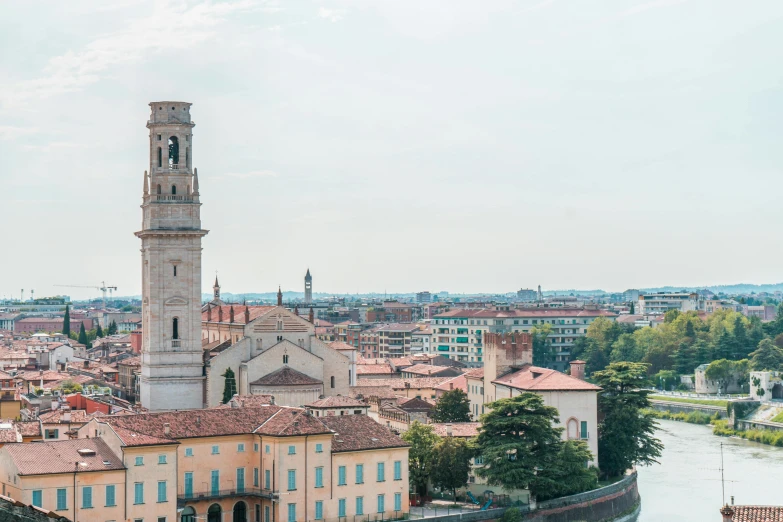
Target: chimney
(167, 429)
(66, 417)
(198, 420)
(727, 512)
(448, 430)
(272, 400)
(451, 386)
(578, 369)
(86, 364)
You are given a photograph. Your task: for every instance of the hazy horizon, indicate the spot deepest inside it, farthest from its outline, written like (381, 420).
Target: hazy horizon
(474, 147)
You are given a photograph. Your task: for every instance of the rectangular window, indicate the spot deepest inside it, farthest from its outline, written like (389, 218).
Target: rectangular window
(319, 510)
(266, 514)
(584, 429)
(161, 459)
(240, 448)
(292, 450)
(62, 499)
(161, 491)
(240, 480)
(381, 502)
(267, 479)
(255, 447)
(266, 448)
(360, 505)
(319, 477)
(188, 484)
(398, 502)
(51, 434)
(291, 479)
(38, 498)
(381, 472)
(86, 497)
(397, 470)
(258, 513)
(360, 473)
(319, 448)
(110, 496)
(138, 493)
(341, 507)
(255, 478)
(215, 450)
(188, 452)
(215, 481)
(291, 512)
(139, 461)
(341, 476)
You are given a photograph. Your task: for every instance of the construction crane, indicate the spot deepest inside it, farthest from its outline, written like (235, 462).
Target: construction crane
(103, 288)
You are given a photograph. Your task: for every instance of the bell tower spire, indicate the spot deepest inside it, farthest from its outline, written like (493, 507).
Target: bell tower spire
(171, 355)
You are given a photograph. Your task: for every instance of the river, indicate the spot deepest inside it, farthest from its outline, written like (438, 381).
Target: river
(686, 484)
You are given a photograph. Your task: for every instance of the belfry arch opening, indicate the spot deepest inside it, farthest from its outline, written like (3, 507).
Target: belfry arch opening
(173, 190)
(173, 151)
(160, 157)
(159, 189)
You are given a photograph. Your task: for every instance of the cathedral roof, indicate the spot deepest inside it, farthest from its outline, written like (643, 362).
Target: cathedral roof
(337, 401)
(285, 376)
(239, 313)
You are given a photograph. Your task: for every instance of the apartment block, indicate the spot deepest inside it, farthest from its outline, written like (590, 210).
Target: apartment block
(662, 302)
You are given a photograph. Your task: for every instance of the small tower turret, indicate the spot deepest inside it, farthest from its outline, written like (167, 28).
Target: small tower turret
(279, 297)
(308, 293)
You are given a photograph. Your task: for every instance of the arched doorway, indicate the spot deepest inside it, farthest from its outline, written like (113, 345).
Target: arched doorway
(240, 512)
(777, 391)
(188, 515)
(213, 513)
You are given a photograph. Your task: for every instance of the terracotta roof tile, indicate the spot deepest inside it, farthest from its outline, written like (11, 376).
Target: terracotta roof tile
(458, 429)
(360, 432)
(340, 346)
(57, 417)
(374, 369)
(525, 312)
(338, 401)
(239, 313)
(285, 376)
(399, 384)
(533, 378)
(291, 422)
(427, 369)
(381, 392)
(60, 456)
(29, 428)
(757, 513)
(455, 383)
(248, 401)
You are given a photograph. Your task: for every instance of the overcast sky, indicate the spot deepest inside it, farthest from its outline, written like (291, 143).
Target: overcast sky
(401, 145)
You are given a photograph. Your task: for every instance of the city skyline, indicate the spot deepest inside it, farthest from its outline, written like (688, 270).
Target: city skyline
(583, 164)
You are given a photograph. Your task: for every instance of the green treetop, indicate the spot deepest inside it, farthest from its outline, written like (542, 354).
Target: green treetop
(82, 335)
(67, 321)
(453, 406)
(766, 357)
(423, 440)
(451, 463)
(229, 385)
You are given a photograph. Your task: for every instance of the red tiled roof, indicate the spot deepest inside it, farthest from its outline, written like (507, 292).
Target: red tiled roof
(458, 429)
(338, 401)
(455, 383)
(291, 422)
(533, 378)
(340, 346)
(239, 313)
(475, 373)
(9, 431)
(56, 417)
(61, 456)
(285, 376)
(130, 361)
(374, 369)
(248, 401)
(382, 392)
(757, 513)
(426, 369)
(360, 432)
(29, 428)
(399, 384)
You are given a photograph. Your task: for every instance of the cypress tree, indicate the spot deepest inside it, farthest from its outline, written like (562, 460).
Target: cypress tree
(230, 386)
(112, 327)
(67, 321)
(99, 331)
(82, 335)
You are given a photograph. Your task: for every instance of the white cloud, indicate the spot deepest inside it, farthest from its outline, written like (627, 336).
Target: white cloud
(8, 132)
(75, 70)
(333, 15)
(250, 175)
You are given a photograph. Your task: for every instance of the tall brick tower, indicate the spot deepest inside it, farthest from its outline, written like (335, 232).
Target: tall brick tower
(171, 355)
(308, 293)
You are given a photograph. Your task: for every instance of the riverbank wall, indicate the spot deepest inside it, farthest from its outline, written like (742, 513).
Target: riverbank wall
(683, 407)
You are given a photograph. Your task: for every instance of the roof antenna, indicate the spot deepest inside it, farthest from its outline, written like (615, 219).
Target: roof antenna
(722, 483)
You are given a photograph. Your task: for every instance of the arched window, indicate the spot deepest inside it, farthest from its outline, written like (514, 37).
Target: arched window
(332, 380)
(173, 190)
(160, 157)
(240, 512)
(213, 513)
(159, 189)
(173, 151)
(175, 270)
(187, 157)
(175, 328)
(188, 515)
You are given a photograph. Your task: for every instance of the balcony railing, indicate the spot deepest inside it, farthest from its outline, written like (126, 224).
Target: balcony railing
(165, 198)
(184, 498)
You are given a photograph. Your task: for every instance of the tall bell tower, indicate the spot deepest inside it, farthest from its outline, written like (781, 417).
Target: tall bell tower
(171, 355)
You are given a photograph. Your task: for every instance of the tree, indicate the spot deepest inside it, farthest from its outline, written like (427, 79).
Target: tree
(690, 331)
(633, 308)
(112, 327)
(724, 372)
(625, 349)
(453, 406)
(422, 439)
(68, 386)
(666, 379)
(740, 337)
(595, 356)
(685, 359)
(703, 352)
(724, 347)
(517, 438)
(82, 335)
(451, 463)
(543, 353)
(570, 474)
(98, 331)
(229, 386)
(670, 316)
(67, 321)
(625, 434)
(766, 357)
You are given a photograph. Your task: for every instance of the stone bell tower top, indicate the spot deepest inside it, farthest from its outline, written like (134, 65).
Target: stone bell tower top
(170, 112)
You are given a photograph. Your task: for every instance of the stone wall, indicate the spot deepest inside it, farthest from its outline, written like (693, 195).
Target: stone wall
(682, 407)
